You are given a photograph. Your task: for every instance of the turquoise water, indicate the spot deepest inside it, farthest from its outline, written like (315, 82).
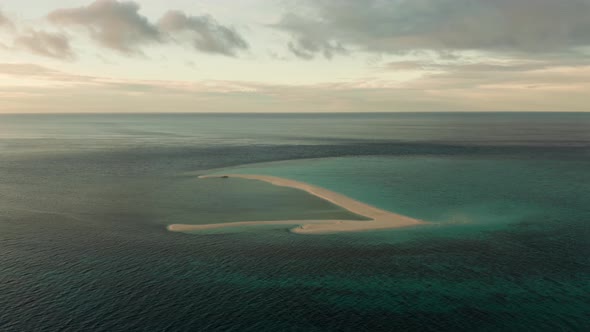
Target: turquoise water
(84, 201)
(448, 190)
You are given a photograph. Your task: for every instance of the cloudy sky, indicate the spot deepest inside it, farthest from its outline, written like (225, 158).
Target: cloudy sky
(294, 55)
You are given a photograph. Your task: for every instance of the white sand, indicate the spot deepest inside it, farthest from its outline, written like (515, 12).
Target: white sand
(380, 219)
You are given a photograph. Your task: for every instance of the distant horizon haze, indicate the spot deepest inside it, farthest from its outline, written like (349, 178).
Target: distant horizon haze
(294, 56)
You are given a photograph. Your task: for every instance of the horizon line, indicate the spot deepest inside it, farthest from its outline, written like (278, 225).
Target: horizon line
(291, 113)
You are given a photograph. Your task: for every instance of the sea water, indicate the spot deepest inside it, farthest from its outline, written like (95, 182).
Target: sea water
(85, 200)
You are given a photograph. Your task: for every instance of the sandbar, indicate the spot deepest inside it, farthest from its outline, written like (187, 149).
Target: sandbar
(379, 219)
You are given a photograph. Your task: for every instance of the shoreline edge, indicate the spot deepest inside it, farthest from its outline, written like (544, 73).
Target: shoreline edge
(379, 219)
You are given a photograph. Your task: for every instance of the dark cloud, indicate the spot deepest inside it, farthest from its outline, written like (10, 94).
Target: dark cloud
(204, 32)
(43, 43)
(118, 25)
(400, 26)
(309, 41)
(113, 24)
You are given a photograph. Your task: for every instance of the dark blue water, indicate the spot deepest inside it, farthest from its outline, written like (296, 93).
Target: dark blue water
(84, 201)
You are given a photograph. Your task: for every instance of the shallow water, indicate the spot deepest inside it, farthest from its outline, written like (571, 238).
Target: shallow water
(84, 202)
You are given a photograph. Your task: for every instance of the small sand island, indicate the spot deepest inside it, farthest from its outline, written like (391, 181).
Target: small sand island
(380, 219)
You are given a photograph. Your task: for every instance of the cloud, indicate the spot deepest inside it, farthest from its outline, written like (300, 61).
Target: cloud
(38, 42)
(204, 32)
(4, 21)
(30, 72)
(401, 26)
(473, 87)
(43, 43)
(520, 77)
(307, 40)
(118, 25)
(483, 69)
(113, 24)
(25, 69)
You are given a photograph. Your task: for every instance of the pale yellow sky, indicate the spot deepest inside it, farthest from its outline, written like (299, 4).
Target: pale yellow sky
(293, 56)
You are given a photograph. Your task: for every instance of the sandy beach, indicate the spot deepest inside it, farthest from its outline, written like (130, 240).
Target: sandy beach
(379, 219)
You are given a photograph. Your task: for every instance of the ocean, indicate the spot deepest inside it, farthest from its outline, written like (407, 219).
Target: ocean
(85, 201)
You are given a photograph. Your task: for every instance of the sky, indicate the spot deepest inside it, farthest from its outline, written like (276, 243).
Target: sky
(294, 55)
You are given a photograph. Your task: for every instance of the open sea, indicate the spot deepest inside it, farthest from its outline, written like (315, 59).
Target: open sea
(85, 201)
